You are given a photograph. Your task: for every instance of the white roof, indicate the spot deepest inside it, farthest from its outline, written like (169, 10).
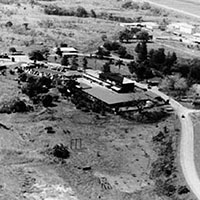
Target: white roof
(127, 80)
(68, 49)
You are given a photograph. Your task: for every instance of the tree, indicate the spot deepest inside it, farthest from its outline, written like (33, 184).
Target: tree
(194, 73)
(8, 24)
(104, 37)
(125, 35)
(85, 62)
(65, 61)
(12, 50)
(157, 56)
(132, 66)
(47, 100)
(175, 83)
(36, 55)
(111, 46)
(62, 44)
(119, 63)
(142, 35)
(141, 50)
(106, 67)
(122, 51)
(81, 12)
(93, 14)
(101, 52)
(59, 52)
(74, 63)
(146, 6)
(45, 52)
(25, 26)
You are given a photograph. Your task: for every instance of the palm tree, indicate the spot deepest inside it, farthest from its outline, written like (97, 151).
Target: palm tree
(119, 63)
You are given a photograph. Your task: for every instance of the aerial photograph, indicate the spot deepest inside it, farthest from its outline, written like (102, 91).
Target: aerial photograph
(100, 100)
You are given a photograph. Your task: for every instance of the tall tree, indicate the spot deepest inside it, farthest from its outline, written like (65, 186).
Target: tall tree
(85, 62)
(132, 66)
(119, 63)
(106, 67)
(141, 50)
(65, 61)
(74, 63)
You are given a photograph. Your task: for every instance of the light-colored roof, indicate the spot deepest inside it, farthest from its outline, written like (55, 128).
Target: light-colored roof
(68, 49)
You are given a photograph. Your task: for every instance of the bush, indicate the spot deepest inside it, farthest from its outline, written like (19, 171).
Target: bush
(12, 49)
(36, 55)
(81, 12)
(146, 6)
(112, 46)
(47, 100)
(61, 151)
(14, 105)
(130, 5)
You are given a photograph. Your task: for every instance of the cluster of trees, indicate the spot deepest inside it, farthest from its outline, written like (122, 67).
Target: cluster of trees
(37, 88)
(39, 55)
(154, 62)
(136, 6)
(82, 12)
(189, 69)
(117, 48)
(175, 85)
(14, 105)
(78, 12)
(135, 33)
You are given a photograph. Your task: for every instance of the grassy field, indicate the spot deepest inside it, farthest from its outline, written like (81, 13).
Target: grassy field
(191, 6)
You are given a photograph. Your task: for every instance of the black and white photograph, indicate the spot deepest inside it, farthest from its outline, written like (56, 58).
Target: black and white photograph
(99, 99)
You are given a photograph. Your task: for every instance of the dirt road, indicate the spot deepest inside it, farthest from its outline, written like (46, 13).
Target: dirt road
(187, 144)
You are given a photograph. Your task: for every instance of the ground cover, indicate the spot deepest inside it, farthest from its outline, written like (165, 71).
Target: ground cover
(113, 161)
(195, 120)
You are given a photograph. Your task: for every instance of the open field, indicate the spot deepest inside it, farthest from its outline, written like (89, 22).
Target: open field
(187, 7)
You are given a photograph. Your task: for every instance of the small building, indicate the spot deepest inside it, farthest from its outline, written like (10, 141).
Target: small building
(182, 27)
(150, 25)
(67, 51)
(119, 83)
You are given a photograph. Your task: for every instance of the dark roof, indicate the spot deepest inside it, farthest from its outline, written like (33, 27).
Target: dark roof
(110, 97)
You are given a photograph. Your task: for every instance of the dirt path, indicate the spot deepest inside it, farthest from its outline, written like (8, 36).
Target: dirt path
(187, 144)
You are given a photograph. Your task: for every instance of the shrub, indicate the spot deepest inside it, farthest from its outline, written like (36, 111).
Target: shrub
(12, 49)
(61, 151)
(47, 100)
(81, 12)
(14, 105)
(36, 55)
(146, 6)
(130, 5)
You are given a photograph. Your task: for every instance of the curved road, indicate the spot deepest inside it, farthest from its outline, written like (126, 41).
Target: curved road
(187, 143)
